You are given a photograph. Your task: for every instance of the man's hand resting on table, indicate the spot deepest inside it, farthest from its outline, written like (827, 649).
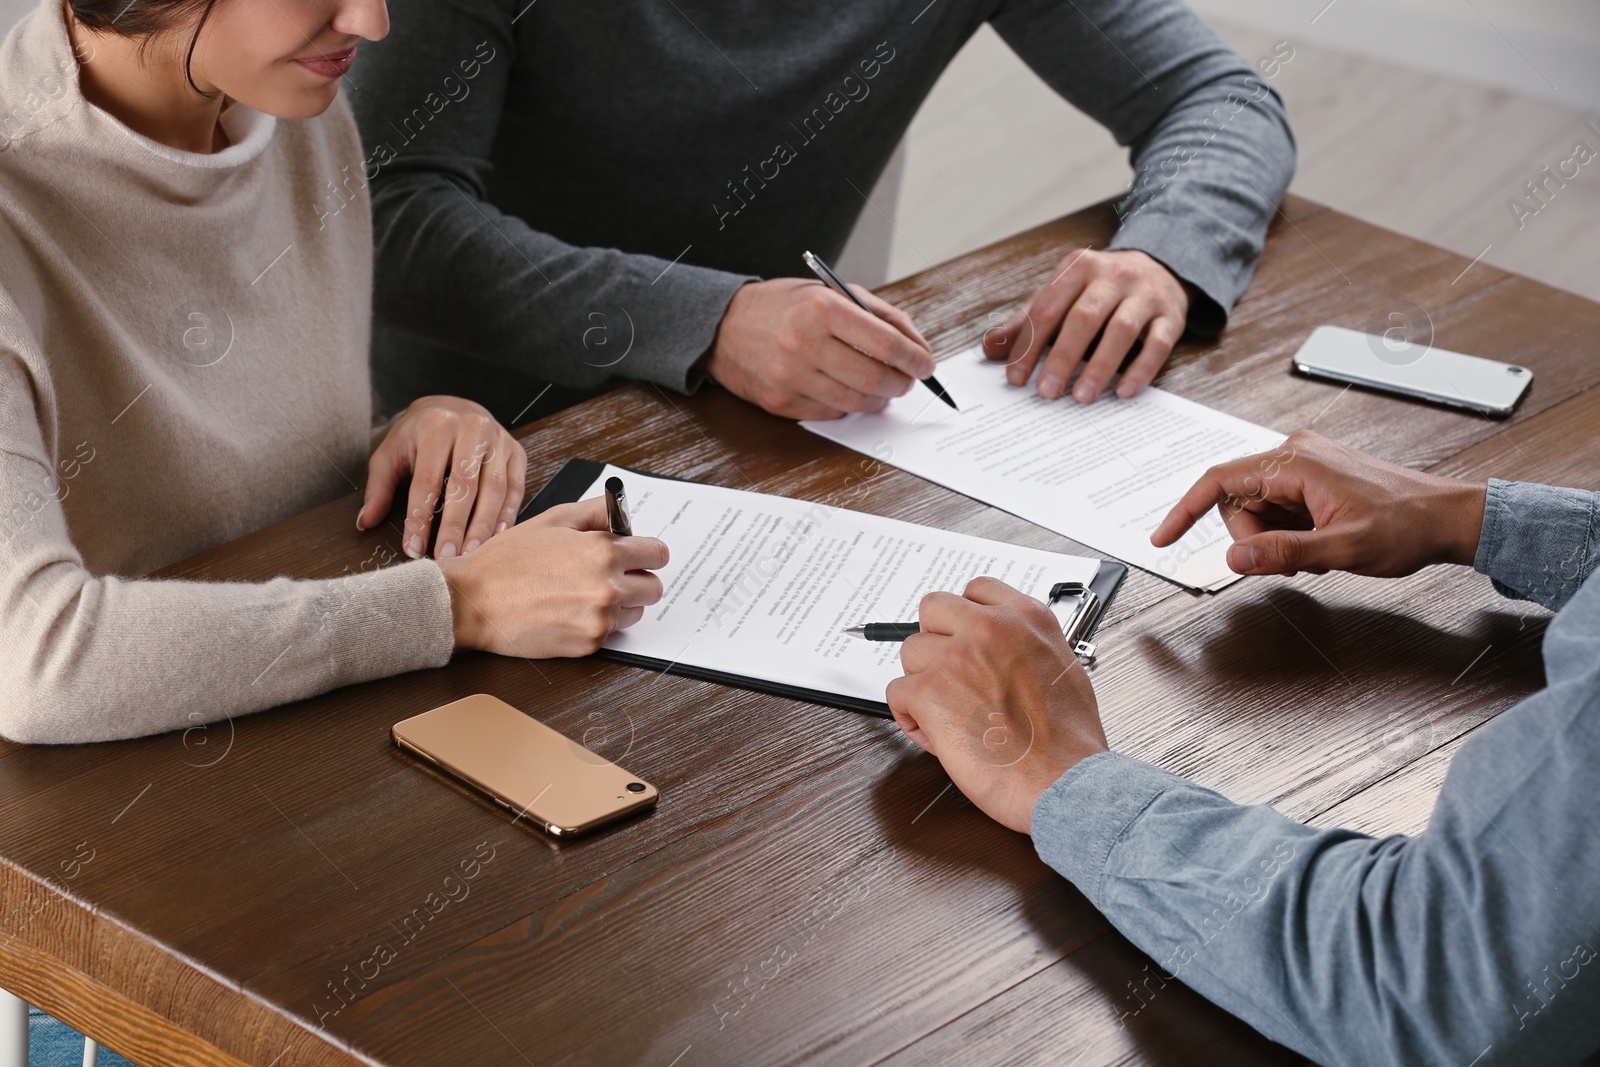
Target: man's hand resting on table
(1316, 505)
(1126, 292)
(993, 691)
(801, 350)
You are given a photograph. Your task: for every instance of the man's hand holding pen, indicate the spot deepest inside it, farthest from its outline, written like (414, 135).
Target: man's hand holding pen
(992, 689)
(800, 350)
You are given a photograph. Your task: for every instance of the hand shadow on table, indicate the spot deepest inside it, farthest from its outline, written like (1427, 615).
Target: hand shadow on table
(1289, 637)
(920, 812)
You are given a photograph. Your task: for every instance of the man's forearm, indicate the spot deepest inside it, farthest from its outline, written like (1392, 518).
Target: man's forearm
(453, 269)
(1208, 180)
(1349, 949)
(1212, 149)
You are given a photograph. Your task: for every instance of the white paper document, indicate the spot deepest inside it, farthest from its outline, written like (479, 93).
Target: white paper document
(764, 586)
(1104, 474)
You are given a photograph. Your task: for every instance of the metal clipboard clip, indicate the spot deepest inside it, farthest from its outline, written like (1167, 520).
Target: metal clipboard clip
(1085, 611)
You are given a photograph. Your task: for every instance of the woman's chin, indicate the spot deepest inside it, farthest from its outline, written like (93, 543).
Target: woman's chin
(300, 102)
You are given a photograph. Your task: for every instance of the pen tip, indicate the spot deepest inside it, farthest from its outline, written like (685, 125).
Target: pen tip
(856, 631)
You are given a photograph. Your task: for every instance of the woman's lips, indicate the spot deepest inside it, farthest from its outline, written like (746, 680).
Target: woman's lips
(335, 65)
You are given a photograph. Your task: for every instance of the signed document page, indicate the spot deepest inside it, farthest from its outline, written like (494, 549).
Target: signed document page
(764, 586)
(1104, 474)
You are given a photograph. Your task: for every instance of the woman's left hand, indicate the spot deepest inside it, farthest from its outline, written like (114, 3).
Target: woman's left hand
(435, 436)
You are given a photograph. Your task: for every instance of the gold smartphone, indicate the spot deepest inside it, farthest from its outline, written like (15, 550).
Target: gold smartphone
(523, 765)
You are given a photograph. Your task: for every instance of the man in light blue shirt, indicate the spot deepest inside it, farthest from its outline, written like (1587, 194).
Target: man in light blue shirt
(1474, 943)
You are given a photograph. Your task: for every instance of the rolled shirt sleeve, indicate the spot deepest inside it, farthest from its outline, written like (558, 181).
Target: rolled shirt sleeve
(1539, 542)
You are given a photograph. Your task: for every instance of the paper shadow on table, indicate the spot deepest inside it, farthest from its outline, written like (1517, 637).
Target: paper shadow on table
(1289, 637)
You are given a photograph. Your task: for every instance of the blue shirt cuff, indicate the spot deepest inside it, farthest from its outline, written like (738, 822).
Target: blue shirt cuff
(1538, 541)
(1079, 819)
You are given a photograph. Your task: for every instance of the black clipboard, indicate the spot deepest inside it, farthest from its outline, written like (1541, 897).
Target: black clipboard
(577, 475)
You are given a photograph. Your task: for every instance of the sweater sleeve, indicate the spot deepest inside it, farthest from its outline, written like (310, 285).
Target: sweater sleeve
(454, 269)
(1212, 150)
(97, 658)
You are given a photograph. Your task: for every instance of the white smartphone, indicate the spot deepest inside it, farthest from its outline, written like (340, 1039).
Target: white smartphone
(1396, 365)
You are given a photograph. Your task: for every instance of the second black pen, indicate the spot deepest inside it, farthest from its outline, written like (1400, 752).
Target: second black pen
(884, 631)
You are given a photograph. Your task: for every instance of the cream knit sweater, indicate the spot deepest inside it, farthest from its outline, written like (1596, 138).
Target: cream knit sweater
(183, 359)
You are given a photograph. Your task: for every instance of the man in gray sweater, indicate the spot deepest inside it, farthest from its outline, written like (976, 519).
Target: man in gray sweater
(1474, 943)
(569, 192)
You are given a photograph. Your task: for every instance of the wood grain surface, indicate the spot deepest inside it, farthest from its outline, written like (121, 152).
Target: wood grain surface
(810, 889)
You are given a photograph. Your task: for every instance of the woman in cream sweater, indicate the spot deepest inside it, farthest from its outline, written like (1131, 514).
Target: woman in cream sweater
(184, 326)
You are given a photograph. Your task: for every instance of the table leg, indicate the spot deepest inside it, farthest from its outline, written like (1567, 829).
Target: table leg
(13, 1031)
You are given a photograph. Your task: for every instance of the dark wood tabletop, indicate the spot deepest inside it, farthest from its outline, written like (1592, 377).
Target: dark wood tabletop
(810, 889)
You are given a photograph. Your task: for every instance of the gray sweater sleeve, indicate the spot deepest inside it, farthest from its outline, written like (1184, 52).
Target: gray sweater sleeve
(450, 265)
(1211, 146)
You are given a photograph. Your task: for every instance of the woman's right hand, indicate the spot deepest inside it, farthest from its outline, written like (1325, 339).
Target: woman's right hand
(556, 585)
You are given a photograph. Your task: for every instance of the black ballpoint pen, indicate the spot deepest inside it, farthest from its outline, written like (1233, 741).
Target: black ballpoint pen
(884, 631)
(615, 515)
(834, 282)
(1075, 628)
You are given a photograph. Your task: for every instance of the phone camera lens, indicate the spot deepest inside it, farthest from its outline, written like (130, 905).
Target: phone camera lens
(636, 787)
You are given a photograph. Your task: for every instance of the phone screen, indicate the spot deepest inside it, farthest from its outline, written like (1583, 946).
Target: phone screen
(523, 765)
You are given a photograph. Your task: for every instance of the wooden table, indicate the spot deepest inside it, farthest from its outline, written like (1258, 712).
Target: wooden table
(809, 889)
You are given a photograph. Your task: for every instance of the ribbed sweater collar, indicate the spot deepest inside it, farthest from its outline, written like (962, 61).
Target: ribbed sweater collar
(39, 87)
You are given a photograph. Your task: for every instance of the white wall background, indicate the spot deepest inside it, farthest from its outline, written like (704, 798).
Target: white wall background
(11, 11)
(1545, 48)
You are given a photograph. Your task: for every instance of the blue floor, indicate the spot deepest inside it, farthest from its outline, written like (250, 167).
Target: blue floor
(52, 1043)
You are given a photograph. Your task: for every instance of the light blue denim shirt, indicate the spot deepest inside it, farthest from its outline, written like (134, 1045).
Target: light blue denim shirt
(1473, 943)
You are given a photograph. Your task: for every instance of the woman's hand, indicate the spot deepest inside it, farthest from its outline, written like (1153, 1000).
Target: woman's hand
(556, 585)
(436, 436)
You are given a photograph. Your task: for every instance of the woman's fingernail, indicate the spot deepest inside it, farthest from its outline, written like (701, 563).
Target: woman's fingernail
(501, 528)
(1050, 386)
(470, 545)
(445, 551)
(1086, 392)
(414, 546)
(358, 524)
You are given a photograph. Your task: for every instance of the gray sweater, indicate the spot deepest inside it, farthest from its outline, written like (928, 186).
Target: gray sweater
(1473, 943)
(569, 192)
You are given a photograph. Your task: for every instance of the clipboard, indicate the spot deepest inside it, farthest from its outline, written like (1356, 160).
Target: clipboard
(1082, 606)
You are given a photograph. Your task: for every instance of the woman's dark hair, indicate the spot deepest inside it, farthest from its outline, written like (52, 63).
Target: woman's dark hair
(145, 18)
